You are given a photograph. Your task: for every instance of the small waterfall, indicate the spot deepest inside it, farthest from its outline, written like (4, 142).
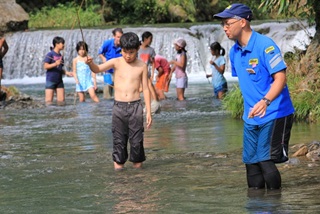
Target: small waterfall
(28, 49)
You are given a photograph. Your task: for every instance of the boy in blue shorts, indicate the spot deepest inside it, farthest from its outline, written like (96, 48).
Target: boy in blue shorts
(127, 112)
(268, 111)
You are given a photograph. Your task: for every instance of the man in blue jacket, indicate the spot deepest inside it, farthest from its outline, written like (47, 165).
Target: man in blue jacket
(268, 111)
(110, 49)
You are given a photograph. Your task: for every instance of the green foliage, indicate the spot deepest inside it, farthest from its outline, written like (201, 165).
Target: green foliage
(233, 102)
(65, 16)
(290, 8)
(36, 5)
(54, 13)
(306, 102)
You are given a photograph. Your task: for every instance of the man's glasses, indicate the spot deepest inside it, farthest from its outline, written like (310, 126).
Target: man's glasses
(227, 25)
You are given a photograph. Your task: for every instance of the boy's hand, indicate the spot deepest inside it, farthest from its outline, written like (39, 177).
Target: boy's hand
(148, 120)
(88, 60)
(69, 73)
(58, 62)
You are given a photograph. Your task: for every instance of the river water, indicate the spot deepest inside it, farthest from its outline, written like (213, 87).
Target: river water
(58, 160)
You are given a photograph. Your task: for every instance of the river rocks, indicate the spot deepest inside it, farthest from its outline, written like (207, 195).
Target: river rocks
(11, 98)
(21, 102)
(311, 151)
(13, 17)
(301, 152)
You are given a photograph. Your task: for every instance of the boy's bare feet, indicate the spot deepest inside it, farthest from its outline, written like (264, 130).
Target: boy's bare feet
(137, 165)
(118, 166)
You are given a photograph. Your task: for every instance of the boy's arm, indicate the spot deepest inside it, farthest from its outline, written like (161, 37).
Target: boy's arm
(48, 64)
(160, 71)
(5, 48)
(146, 95)
(1, 42)
(102, 67)
(68, 73)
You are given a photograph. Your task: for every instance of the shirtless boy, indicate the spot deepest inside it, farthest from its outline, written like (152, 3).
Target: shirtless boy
(3, 50)
(127, 112)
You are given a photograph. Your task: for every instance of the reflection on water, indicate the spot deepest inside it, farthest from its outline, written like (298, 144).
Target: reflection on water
(58, 160)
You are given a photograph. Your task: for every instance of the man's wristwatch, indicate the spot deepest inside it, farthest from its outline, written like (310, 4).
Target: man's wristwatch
(267, 101)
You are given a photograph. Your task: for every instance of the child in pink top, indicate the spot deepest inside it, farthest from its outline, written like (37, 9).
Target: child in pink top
(162, 79)
(179, 67)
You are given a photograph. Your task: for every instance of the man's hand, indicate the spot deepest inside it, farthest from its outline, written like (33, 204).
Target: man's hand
(259, 109)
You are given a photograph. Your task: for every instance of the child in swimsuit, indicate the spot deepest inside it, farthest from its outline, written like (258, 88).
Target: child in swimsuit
(83, 75)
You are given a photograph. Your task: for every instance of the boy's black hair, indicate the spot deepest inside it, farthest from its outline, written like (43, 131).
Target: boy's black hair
(146, 35)
(82, 44)
(57, 40)
(129, 41)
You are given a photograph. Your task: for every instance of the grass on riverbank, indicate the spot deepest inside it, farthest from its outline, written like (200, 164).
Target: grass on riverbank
(65, 16)
(305, 101)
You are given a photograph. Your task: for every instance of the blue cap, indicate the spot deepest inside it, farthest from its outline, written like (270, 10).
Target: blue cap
(236, 11)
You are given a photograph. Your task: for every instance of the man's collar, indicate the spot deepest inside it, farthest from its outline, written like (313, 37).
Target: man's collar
(250, 45)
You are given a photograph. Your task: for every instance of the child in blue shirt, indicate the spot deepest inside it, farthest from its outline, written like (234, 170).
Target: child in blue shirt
(219, 82)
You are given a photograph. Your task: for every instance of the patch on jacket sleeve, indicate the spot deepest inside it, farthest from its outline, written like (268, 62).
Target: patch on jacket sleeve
(269, 49)
(275, 60)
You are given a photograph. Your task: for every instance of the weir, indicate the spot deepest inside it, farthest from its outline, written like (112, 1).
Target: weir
(28, 49)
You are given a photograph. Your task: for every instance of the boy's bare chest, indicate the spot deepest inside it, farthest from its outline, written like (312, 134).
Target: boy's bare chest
(128, 72)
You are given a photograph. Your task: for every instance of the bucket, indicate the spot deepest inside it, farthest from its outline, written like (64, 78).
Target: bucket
(107, 77)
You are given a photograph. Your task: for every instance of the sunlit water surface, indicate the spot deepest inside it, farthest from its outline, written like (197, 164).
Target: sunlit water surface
(58, 160)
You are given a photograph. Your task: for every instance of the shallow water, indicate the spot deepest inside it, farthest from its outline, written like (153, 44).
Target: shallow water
(58, 160)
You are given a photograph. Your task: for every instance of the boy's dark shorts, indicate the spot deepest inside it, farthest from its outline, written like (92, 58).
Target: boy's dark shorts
(127, 125)
(54, 85)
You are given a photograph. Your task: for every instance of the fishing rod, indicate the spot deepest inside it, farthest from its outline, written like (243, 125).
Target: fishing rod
(86, 51)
